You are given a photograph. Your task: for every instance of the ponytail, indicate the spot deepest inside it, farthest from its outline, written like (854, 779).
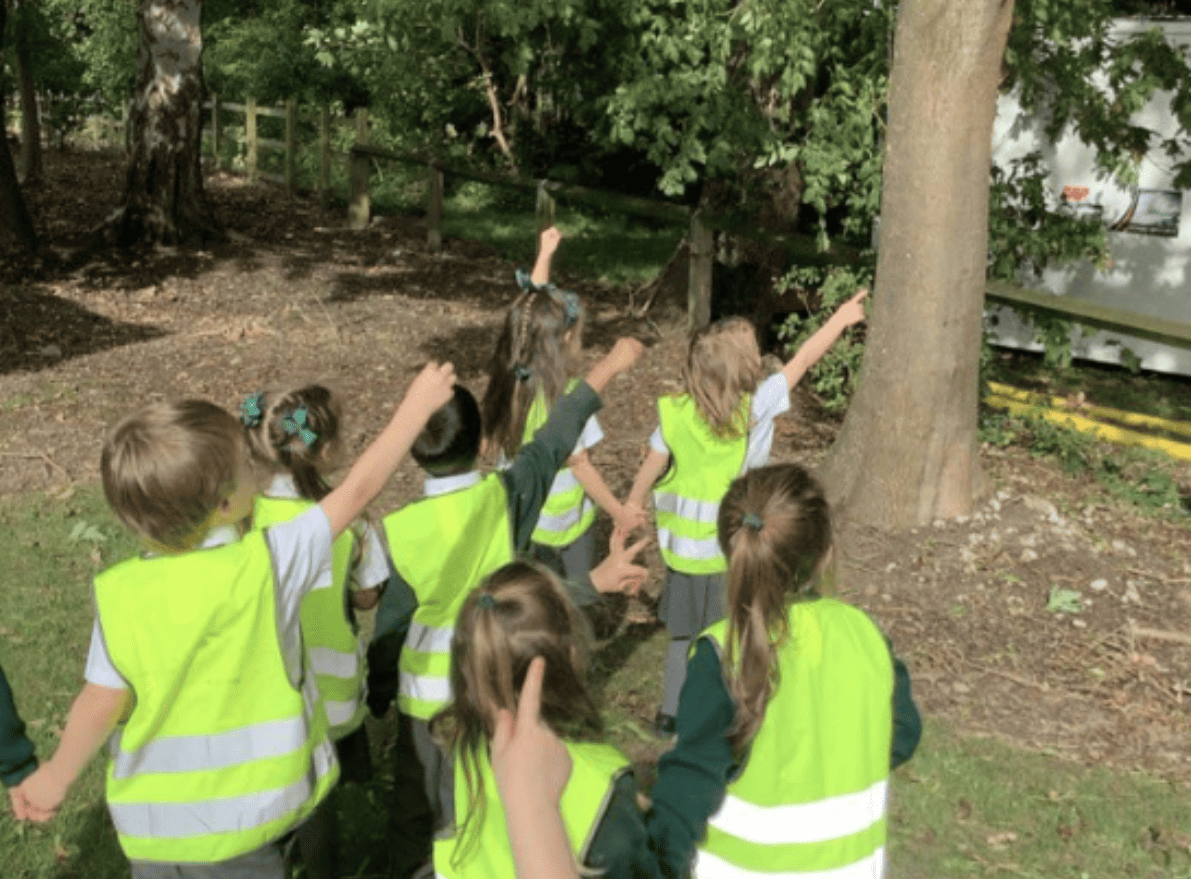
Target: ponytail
(294, 431)
(775, 529)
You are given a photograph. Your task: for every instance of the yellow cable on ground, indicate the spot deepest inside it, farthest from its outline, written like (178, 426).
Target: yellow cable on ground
(1108, 432)
(1180, 427)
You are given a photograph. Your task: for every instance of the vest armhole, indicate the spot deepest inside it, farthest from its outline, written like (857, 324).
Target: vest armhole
(601, 815)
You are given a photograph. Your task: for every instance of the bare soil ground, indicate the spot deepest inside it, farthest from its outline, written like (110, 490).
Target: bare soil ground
(297, 296)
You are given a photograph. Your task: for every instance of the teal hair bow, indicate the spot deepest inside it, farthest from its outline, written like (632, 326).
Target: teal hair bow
(294, 424)
(250, 410)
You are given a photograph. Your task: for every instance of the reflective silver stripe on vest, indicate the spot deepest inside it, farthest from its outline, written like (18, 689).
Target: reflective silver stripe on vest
(563, 482)
(689, 547)
(209, 752)
(708, 866)
(336, 663)
(703, 512)
(562, 521)
(820, 821)
(223, 815)
(341, 712)
(428, 639)
(425, 688)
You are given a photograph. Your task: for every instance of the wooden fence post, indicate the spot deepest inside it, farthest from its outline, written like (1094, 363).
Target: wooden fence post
(324, 152)
(250, 139)
(360, 208)
(434, 209)
(702, 248)
(291, 147)
(216, 131)
(544, 206)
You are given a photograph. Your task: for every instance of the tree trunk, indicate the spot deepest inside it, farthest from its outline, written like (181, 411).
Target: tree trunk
(907, 452)
(16, 226)
(164, 201)
(31, 167)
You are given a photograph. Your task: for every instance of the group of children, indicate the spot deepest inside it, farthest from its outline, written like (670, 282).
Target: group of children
(227, 674)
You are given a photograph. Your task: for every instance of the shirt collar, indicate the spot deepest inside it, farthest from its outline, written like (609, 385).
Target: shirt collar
(221, 536)
(436, 485)
(283, 486)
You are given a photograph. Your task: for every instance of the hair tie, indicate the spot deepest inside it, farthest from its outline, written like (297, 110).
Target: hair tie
(294, 424)
(522, 373)
(752, 520)
(486, 601)
(250, 410)
(570, 306)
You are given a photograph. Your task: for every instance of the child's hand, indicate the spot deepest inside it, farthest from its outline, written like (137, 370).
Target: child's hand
(433, 388)
(618, 573)
(631, 517)
(852, 311)
(38, 797)
(529, 761)
(548, 242)
(620, 359)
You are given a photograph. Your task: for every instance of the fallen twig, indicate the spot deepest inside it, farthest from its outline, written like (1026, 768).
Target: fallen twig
(39, 456)
(1159, 634)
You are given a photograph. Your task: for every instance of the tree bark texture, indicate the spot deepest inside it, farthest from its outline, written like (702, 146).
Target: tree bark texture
(907, 452)
(16, 226)
(31, 165)
(164, 201)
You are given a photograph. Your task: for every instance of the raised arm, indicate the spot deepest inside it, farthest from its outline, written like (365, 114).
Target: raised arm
(813, 349)
(431, 389)
(547, 246)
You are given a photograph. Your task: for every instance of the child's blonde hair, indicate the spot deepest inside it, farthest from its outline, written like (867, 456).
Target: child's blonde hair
(722, 364)
(541, 332)
(294, 430)
(520, 611)
(775, 529)
(168, 466)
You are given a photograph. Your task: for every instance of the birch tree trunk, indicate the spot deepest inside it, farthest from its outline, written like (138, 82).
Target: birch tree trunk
(907, 452)
(164, 201)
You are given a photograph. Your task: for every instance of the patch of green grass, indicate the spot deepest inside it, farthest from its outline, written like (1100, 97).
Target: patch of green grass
(975, 807)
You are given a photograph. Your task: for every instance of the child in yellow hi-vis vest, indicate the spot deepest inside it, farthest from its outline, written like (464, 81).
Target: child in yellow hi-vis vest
(295, 435)
(721, 427)
(531, 367)
(521, 611)
(220, 742)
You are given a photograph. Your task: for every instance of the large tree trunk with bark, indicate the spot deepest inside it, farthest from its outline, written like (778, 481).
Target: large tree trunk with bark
(164, 201)
(16, 226)
(907, 452)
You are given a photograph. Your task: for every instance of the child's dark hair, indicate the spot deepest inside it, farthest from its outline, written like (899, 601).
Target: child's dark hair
(520, 611)
(531, 357)
(295, 430)
(450, 441)
(775, 529)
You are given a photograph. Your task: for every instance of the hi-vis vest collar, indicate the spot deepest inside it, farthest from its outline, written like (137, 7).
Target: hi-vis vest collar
(810, 800)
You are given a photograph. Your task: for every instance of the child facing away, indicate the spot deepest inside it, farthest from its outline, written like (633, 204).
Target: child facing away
(521, 611)
(466, 526)
(224, 749)
(795, 699)
(531, 368)
(721, 427)
(295, 435)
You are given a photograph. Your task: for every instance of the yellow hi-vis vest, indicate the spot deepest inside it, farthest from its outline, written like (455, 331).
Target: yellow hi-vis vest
(810, 801)
(568, 512)
(222, 752)
(687, 499)
(443, 546)
(332, 645)
(484, 852)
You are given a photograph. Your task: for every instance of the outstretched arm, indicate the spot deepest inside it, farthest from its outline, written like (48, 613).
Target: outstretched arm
(431, 389)
(548, 244)
(597, 489)
(813, 349)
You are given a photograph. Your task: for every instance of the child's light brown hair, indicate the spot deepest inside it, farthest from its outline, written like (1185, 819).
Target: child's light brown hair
(520, 611)
(168, 466)
(775, 529)
(722, 364)
(297, 431)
